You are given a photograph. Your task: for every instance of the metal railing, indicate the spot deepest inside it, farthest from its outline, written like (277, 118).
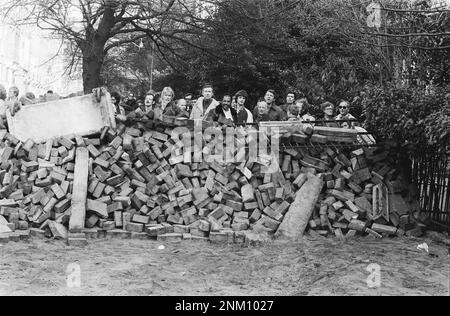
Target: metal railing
(431, 175)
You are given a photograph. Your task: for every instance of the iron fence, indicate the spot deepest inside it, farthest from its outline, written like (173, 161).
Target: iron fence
(431, 174)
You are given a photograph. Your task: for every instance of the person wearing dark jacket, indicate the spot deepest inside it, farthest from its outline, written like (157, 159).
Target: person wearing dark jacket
(131, 102)
(271, 111)
(328, 115)
(243, 115)
(150, 101)
(166, 103)
(116, 100)
(290, 98)
(223, 113)
(177, 109)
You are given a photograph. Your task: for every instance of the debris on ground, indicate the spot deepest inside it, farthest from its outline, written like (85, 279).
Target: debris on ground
(423, 247)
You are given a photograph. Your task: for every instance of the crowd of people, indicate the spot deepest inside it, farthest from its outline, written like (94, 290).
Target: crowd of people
(232, 109)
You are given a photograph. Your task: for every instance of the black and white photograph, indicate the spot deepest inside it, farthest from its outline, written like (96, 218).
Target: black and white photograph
(226, 155)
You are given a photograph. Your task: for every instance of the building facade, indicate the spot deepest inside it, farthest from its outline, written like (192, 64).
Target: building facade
(33, 62)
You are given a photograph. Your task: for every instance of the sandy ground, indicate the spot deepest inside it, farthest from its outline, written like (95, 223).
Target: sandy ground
(313, 267)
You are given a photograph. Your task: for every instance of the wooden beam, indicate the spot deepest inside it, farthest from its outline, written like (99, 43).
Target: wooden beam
(79, 194)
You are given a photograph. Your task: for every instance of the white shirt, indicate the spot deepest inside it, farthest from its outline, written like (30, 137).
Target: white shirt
(250, 117)
(228, 114)
(3, 108)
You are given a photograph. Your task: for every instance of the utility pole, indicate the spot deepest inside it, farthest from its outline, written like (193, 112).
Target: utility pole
(152, 63)
(374, 20)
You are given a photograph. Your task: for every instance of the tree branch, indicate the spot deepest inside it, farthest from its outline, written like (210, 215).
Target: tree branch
(414, 10)
(408, 35)
(397, 45)
(123, 42)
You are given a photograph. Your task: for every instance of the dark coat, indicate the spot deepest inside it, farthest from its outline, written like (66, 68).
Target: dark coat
(275, 114)
(173, 110)
(218, 116)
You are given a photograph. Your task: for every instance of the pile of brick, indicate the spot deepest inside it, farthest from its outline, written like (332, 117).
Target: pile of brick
(363, 193)
(137, 187)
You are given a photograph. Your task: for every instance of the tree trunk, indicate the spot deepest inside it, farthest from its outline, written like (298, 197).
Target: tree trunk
(93, 49)
(92, 67)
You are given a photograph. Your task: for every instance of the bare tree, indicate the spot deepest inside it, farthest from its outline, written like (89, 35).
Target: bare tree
(92, 28)
(410, 34)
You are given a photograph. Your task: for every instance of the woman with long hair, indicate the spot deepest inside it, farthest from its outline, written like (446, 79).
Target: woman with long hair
(165, 104)
(167, 97)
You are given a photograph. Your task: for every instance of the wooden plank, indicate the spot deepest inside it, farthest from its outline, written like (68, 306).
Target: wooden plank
(321, 139)
(335, 131)
(79, 194)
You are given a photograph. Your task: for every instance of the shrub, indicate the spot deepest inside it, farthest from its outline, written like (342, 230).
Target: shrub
(407, 115)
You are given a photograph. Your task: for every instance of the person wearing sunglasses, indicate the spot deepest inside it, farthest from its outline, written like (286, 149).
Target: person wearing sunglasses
(344, 115)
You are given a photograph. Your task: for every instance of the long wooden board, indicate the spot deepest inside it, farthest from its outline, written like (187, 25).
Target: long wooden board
(335, 131)
(79, 194)
(67, 117)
